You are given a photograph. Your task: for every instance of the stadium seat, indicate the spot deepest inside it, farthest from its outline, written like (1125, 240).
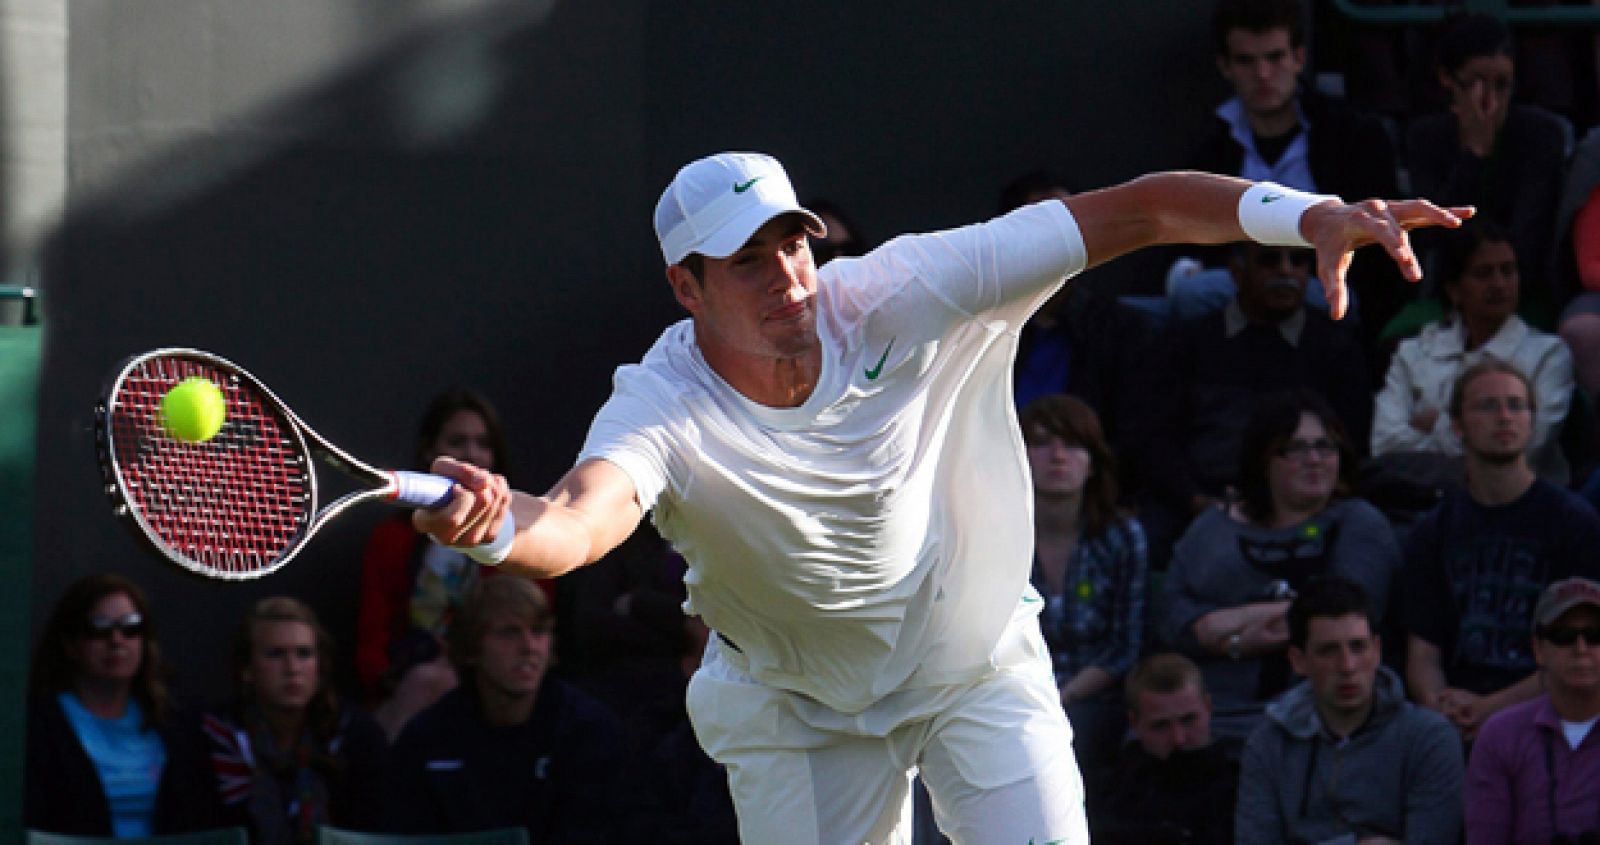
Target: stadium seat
(499, 836)
(220, 836)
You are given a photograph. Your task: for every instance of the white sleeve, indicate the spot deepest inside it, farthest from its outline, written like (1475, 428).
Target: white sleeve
(1553, 381)
(1007, 266)
(631, 432)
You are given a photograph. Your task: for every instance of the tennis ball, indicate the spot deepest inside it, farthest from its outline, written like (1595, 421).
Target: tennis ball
(193, 411)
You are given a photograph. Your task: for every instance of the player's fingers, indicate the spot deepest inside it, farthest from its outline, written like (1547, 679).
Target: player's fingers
(1417, 214)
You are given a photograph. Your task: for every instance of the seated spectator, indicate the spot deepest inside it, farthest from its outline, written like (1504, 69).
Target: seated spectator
(1507, 159)
(1343, 756)
(288, 755)
(1271, 129)
(1089, 565)
(106, 753)
(1084, 342)
(1576, 263)
(1474, 562)
(1478, 271)
(1173, 783)
(622, 639)
(677, 795)
(412, 587)
(1237, 566)
(1535, 770)
(844, 238)
(1214, 370)
(510, 746)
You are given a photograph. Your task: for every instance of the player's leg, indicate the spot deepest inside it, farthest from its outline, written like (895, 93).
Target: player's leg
(999, 765)
(791, 781)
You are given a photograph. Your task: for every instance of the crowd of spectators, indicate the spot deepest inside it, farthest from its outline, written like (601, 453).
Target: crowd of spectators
(1303, 580)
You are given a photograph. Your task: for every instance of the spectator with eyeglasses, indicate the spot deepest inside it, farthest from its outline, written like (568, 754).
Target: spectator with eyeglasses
(1475, 562)
(1211, 372)
(107, 754)
(1479, 272)
(1237, 567)
(1534, 775)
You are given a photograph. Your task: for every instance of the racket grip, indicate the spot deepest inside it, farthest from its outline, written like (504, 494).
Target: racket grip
(422, 489)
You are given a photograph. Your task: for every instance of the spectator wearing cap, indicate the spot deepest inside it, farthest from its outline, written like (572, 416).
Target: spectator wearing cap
(1474, 563)
(1535, 770)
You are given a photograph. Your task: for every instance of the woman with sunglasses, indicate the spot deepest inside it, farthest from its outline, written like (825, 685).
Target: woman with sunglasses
(106, 755)
(288, 754)
(1236, 568)
(1480, 282)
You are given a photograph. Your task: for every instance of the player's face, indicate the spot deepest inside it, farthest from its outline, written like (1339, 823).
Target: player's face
(1496, 421)
(284, 665)
(1482, 85)
(1574, 667)
(760, 301)
(515, 654)
(1272, 279)
(1305, 470)
(1059, 468)
(1263, 68)
(1172, 721)
(1488, 288)
(1341, 662)
(465, 437)
(109, 648)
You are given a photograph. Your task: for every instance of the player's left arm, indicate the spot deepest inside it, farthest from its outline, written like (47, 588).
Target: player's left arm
(1203, 208)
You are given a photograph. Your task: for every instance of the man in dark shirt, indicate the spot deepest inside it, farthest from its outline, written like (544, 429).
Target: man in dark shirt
(1477, 563)
(1173, 784)
(509, 747)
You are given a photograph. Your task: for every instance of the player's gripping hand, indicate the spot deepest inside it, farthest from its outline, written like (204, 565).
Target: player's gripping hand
(1336, 230)
(476, 513)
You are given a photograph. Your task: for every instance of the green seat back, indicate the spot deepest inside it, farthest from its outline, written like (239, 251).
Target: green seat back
(220, 836)
(500, 836)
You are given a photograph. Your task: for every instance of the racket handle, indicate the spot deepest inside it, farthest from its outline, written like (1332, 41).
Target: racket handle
(422, 489)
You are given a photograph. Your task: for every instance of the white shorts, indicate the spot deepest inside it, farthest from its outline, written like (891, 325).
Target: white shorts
(995, 755)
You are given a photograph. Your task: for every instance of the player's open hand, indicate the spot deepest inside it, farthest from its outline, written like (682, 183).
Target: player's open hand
(1338, 230)
(476, 512)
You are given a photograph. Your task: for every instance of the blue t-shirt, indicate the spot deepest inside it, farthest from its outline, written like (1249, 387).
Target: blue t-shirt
(129, 759)
(1473, 575)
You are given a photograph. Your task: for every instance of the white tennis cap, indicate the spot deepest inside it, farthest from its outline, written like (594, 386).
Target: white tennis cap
(715, 204)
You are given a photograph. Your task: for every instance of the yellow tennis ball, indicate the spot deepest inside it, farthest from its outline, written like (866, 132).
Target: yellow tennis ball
(193, 411)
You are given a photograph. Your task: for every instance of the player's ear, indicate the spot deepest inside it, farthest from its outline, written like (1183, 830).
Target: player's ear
(685, 287)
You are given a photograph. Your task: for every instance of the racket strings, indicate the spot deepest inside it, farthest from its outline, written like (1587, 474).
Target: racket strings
(232, 504)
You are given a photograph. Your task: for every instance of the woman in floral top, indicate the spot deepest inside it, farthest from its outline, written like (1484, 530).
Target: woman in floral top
(1089, 566)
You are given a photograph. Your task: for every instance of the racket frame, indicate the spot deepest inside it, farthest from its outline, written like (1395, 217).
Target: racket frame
(309, 444)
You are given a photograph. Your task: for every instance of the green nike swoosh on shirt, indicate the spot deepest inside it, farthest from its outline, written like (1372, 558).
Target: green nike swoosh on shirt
(872, 374)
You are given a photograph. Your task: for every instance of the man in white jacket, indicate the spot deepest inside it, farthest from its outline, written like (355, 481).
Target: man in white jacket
(1478, 270)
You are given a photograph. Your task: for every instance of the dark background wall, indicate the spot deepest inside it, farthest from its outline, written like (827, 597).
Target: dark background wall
(472, 206)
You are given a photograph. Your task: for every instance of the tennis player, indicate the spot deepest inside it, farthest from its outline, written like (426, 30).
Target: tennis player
(836, 455)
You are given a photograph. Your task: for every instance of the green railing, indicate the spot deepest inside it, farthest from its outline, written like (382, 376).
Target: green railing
(1512, 15)
(19, 305)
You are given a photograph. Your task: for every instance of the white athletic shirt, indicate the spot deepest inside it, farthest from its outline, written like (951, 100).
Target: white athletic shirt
(880, 535)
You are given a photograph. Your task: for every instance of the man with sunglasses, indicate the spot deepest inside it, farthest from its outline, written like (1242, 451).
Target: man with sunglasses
(1215, 367)
(1473, 563)
(1535, 770)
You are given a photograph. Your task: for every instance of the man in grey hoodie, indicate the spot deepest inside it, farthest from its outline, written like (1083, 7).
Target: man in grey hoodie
(1343, 758)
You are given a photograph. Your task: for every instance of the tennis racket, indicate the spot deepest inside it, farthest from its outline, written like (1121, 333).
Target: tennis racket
(243, 503)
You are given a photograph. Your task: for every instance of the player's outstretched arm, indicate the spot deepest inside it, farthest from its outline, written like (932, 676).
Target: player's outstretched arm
(1204, 208)
(589, 512)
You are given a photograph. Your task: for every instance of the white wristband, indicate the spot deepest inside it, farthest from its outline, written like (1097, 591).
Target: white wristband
(494, 552)
(1270, 213)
